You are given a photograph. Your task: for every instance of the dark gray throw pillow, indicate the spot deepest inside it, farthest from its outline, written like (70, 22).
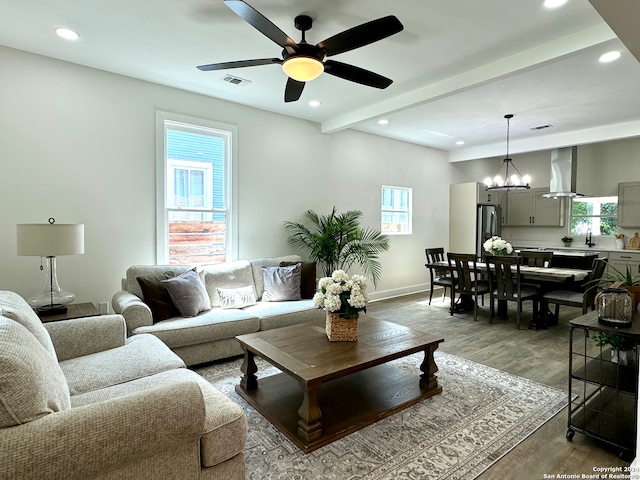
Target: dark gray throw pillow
(281, 284)
(188, 293)
(156, 296)
(307, 278)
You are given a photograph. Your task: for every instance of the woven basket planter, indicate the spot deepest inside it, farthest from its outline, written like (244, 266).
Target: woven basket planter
(340, 329)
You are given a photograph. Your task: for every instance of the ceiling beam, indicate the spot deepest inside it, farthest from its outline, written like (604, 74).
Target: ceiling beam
(528, 59)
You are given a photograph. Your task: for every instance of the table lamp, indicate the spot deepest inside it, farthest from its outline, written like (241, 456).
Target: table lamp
(50, 240)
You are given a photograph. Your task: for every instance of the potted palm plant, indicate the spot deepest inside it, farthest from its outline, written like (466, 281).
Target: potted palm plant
(337, 242)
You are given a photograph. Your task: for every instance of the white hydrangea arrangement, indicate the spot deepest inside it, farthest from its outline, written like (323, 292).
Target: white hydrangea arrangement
(339, 293)
(497, 246)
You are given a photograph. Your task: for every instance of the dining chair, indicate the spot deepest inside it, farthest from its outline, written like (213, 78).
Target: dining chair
(466, 281)
(533, 258)
(440, 276)
(505, 284)
(584, 298)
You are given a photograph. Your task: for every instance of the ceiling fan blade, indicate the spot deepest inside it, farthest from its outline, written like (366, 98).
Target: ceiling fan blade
(356, 74)
(238, 64)
(261, 23)
(293, 90)
(361, 35)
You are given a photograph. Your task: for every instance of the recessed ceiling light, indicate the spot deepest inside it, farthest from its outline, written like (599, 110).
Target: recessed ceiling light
(383, 121)
(554, 3)
(66, 33)
(314, 103)
(609, 56)
(459, 142)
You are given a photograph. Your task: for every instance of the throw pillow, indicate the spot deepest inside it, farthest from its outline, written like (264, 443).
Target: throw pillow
(32, 384)
(156, 296)
(307, 278)
(281, 283)
(237, 297)
(188, 293)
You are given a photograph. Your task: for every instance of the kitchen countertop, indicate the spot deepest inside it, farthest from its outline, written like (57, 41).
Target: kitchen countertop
(577, 251)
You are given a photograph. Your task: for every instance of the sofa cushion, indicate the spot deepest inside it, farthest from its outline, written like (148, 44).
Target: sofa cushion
(226, 275)
(307, 278)
(258, 263)
(156, 296)
(215, 324)
(142, 355)
(188, 293)
(281, 283)
(237, 297)
(31, 382)
(16, 308)
(225, 430)
(283, 314)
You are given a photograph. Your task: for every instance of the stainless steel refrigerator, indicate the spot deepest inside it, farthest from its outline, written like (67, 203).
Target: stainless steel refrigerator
(488, 224)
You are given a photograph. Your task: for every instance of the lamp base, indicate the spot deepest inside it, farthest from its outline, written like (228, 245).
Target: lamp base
(51, 309)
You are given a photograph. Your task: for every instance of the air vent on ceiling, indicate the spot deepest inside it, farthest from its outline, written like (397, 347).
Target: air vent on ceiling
(236, 80)
(542, 127)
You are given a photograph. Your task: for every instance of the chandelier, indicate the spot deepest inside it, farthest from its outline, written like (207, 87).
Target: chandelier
(513, 180)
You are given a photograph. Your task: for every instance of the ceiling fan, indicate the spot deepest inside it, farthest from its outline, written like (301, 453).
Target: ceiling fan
(303, 62)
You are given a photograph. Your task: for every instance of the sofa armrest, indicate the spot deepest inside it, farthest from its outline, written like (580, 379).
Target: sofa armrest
(104, 437)
(135, 312)
(84, 336)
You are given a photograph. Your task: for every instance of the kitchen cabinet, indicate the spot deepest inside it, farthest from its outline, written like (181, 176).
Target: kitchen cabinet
(623, 259)
(495, 198)
(629, 204)
(528, 208)
(603, 390)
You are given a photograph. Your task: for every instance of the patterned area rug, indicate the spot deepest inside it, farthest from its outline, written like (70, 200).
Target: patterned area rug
(480, 416)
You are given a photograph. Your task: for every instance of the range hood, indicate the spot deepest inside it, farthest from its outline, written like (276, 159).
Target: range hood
(563, 173)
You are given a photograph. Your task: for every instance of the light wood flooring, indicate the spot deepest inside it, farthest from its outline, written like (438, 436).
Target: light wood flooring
(539, 355)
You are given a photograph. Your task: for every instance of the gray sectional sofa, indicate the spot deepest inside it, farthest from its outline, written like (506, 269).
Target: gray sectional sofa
(210, 335)
(80, 400)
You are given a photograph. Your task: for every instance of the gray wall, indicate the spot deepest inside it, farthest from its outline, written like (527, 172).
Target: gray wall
(78, 144)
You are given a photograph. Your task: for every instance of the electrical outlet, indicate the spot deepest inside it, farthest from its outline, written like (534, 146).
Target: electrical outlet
(103, 307)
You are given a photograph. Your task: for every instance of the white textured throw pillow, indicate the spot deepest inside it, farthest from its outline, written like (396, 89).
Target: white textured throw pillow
(281, 284)
(237, 297)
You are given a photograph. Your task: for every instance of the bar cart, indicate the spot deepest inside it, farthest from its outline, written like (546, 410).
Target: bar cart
(603, 388)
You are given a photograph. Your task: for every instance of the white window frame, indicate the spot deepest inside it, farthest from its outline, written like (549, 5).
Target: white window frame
(175, 121)
(395, 209)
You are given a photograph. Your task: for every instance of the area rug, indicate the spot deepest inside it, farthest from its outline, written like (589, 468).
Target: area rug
(480, 416)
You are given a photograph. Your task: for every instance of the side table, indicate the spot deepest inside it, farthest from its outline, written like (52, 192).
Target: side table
(74, 310)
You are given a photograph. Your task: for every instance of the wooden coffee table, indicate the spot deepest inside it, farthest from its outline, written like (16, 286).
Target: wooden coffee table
(330, 389)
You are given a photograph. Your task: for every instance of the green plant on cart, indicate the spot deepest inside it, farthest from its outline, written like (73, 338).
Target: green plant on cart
(617, 342)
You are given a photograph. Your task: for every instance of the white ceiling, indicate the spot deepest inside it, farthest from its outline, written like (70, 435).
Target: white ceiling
(458, 66)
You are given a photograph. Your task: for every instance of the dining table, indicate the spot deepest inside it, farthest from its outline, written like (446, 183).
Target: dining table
(546, 277)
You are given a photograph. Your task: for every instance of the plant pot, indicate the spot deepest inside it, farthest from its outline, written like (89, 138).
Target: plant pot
(622, 357)
(634, 290)
(567, 244)
(340, 329)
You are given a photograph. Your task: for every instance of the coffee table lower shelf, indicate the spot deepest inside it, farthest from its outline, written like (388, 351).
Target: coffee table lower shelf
(348, 403)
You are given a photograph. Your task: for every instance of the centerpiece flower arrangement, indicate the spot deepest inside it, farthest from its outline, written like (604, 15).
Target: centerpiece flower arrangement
(497, 246)
(341, 294)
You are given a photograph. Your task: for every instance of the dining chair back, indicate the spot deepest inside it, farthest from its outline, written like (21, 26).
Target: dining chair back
(584, 298)
(534, 258)
(466, 282)
(440, 276)
(505, 284)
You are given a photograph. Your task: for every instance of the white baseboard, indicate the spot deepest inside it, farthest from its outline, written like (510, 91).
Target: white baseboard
(398, 292)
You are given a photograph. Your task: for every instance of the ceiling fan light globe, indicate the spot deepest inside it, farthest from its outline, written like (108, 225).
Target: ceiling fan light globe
(303, 69)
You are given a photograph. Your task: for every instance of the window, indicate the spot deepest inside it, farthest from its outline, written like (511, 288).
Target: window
(599, 215)
(396, 210)
(195, 219)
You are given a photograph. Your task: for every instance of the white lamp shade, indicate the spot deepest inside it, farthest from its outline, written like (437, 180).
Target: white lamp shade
(48, 240)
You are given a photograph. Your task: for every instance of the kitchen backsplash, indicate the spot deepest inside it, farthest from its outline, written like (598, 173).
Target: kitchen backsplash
(551, 237)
